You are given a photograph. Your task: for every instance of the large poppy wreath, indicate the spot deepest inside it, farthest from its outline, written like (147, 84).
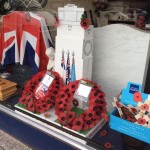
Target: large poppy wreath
(41, 105)
(90, 117)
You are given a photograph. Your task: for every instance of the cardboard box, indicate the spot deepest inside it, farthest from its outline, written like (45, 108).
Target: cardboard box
(124, 126)
(7, 89)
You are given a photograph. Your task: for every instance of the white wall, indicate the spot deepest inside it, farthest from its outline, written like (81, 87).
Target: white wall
(120, 55)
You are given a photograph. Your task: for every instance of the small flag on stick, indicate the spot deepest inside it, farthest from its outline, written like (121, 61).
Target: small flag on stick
(73, 71)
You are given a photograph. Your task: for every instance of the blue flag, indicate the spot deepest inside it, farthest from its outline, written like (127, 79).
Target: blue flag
(73, 71)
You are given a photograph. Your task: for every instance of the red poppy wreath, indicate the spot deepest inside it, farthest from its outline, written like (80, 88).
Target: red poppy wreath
(90, 117)
(40, 105)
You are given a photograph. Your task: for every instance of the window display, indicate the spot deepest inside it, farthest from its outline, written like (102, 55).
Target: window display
(57, 87)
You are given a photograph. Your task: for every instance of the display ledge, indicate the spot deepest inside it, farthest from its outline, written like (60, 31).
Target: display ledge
(52, 123)
(29, 135)
(76, 142)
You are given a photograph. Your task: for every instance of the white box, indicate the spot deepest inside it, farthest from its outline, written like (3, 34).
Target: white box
(70, 13)
(75, 30)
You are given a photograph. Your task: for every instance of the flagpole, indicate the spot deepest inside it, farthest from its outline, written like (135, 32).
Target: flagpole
(68, 68)
(73, 72)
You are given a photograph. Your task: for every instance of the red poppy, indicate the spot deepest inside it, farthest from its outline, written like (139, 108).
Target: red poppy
(75, 102)
(77, 124)
(101, 94)
(70, 97)
(49, 103)
(145, 107)
(55, 83)
(28, 84)
(59, 102)
(103, 102)
(103, 133)
(37, 108)
(23, 100)
(85, 23)
(97, 87)
(66, 89)
(29, 98)
(94, 101)
(90, 124)
(30, 106)
(58, 87)
(137, 97)
(93, 108)
(55, 92)
(32, 85)
(47, 100)
(67, 106)
(89, 114)
(63, 97)
(100, 108)
(59, 109)
(62, 118)
(98, 115)
(46, 106)
(71, 116)
(69, 125)
(85, 126)
(82, 116)
(66, 100)
(52, 97)
(108, 145)
(141, 121)
(73, 85)
(41, 109)
(95, 121)
(91, 96)
(35, 80)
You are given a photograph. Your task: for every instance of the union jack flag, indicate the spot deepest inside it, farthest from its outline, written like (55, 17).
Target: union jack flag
(68, 69)
(24, 41)
(63, 73)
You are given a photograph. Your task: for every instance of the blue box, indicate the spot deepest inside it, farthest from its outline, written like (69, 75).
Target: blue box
(124, 126)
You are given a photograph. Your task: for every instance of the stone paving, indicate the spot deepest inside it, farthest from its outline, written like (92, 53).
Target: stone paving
(9, 143)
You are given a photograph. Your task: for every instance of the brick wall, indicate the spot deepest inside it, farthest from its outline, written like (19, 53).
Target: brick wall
(87, 4)
(54, 4)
